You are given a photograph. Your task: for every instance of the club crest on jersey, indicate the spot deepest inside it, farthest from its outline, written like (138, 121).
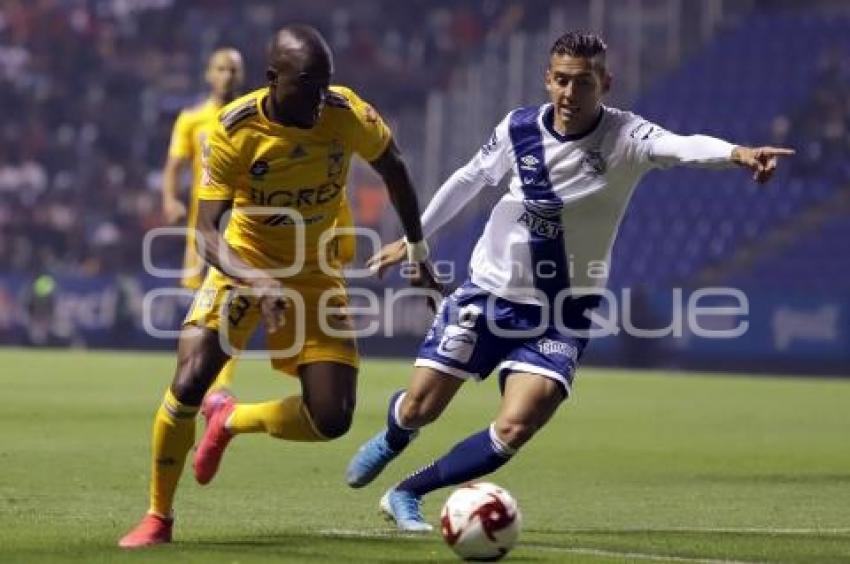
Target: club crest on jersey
(259, 169)
(593, 163)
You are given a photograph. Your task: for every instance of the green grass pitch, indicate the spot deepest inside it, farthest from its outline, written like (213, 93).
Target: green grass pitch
(650, 467)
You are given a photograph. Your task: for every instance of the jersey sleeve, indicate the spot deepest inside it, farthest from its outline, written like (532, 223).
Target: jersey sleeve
(367, 133)
(180, 146)
(495, 158)
(219, 167)
(639, 134)
(487, 167)
(654, 147)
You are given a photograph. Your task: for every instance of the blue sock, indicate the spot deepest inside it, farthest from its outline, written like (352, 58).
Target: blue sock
(398, 437)
(475, 456)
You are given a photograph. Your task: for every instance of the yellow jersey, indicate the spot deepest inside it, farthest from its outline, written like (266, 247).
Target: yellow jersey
(288, 184)
(191, 130)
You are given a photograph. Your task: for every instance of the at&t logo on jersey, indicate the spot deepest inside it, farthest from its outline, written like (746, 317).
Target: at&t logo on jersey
(539, 226)
(542, 218)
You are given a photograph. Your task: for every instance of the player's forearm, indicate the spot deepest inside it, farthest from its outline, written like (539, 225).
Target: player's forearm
(692, 150)
(406, 205)
(170, 180)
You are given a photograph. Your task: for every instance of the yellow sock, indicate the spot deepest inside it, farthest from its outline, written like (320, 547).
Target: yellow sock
(173, 436)
(225, 376)
(285, 419)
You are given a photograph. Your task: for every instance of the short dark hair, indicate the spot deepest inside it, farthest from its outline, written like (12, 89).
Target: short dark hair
(578, 44)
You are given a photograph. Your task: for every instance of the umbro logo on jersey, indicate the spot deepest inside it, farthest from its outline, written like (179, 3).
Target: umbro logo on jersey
(297, 152)
(259, 169)
(529, 162)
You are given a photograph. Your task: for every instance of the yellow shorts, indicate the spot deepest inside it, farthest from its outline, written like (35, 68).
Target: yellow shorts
(316, 329)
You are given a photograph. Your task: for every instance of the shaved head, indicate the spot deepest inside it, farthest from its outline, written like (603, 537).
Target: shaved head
(300, 66)
(298, 46)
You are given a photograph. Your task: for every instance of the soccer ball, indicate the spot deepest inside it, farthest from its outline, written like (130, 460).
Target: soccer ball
(480, 521)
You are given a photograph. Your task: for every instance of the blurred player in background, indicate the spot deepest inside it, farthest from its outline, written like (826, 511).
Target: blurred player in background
(573, 165)
(225, 76)
(278, 159)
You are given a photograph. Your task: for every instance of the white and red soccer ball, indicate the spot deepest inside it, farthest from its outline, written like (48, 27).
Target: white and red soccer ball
(480, 521)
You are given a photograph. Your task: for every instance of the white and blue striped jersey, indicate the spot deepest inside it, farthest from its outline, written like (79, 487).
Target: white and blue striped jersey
(555, 226)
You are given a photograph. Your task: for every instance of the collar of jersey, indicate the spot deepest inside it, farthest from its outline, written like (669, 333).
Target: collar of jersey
(549, 124)
(261, 108)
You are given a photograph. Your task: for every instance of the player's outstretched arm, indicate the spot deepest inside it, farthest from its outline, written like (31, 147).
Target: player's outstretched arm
(762, 161)
(214, 250)
(665, 149)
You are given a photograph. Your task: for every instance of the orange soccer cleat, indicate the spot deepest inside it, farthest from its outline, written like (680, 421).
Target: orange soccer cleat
(151, 530)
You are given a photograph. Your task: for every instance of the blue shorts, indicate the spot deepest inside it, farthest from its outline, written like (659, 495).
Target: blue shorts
(468, 337)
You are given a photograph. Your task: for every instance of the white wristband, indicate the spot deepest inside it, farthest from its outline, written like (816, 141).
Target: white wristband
(418, 251)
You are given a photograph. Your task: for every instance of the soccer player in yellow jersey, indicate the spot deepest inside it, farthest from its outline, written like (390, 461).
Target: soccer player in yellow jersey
(276, 164)
(225, 76)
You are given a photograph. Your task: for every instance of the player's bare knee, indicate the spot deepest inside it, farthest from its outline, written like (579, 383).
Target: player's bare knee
(333, 427)
(514, 432)
(416, 411)
(332, 423)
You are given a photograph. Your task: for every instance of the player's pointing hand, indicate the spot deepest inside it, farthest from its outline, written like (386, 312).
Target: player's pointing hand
(761, 160)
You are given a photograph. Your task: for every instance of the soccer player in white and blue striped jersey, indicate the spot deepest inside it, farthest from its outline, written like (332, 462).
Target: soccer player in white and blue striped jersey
(573, 165)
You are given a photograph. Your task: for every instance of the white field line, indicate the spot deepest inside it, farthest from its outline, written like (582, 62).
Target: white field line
(383, 533)
(632, 555)
(730, 530)
(648, 556)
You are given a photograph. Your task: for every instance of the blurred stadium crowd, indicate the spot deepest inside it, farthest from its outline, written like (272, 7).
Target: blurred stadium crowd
(90, 88)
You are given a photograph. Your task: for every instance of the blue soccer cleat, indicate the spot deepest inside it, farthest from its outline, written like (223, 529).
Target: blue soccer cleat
(404, 508)
(370, 460)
